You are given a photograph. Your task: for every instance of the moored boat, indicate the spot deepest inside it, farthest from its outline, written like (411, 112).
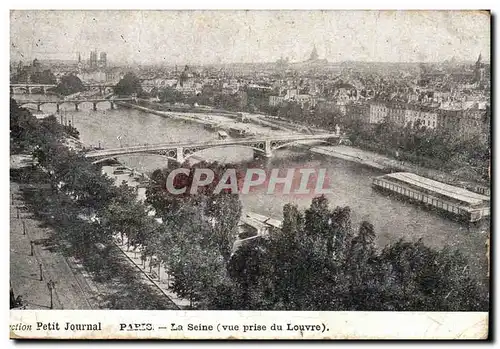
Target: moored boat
(210, 126)
(455, 201)
(236, 132)
(222, 135)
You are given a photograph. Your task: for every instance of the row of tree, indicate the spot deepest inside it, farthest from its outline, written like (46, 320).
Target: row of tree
(84, 209)
(196, 238)
(91, 210)
(317, 261)
(69, 173)
(425, 146)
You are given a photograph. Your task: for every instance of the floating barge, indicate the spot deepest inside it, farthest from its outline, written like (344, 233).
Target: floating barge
(236, 132)
(222, 135)
(460, 203)
(210, 126)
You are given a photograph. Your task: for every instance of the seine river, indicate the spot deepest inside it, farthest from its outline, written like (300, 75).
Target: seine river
(351, 183)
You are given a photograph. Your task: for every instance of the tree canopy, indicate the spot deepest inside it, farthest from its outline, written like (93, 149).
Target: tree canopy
(128, 85)
(69, 84)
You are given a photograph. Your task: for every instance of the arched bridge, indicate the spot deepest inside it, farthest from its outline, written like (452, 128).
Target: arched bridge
(76, 102)
(28, 88)
(181, 151)
(43, 88)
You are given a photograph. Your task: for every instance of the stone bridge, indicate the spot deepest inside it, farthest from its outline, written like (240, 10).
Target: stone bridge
(76, 102)
(182, 151)
(28, 88)
(43, 88)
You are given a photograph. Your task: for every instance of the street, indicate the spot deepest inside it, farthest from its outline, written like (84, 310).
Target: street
(71, 291)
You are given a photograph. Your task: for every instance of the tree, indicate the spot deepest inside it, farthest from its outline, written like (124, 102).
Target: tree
(249, 270)
(68, 85)
(293, 220)
(361, 268)
(186, 247)
(330, 227)
(23, 125)
(78, 178)
(171, 95)
(125, 215)
(198, 234)
(291, 111)
(221, 211)
(128, 85)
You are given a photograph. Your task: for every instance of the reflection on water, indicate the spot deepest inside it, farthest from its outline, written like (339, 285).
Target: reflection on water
(351, 183)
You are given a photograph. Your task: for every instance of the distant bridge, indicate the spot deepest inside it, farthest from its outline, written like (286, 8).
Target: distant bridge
(76, 102)
(182, 151)
(28, 88)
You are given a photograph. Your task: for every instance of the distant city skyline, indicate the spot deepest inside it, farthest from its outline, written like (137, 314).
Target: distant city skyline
(208, 37)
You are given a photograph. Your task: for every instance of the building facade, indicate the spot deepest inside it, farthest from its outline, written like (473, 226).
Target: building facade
(358, 111)
(378, 112)
(276, 101)
(396, 113)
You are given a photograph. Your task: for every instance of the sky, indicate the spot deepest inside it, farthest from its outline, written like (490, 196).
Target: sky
(205, 37)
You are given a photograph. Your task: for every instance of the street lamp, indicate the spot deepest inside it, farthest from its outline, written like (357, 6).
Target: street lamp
(120, 139)
(151, 262)
(159, 270)
(51, 285)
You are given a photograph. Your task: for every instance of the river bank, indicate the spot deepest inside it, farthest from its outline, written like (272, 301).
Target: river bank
(388, 165)
(237, 117)
(163, 113)
(188, 108)
(349, 154)
(216, 122)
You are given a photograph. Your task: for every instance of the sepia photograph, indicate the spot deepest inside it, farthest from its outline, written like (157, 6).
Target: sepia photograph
(248, 160)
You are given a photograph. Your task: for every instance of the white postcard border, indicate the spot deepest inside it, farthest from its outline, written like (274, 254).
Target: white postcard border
(141, 324)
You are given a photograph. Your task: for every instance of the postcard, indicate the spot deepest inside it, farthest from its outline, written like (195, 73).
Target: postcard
(268, 174)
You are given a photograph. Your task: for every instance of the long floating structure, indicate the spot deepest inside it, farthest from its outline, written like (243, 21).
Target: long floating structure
(458, 202)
